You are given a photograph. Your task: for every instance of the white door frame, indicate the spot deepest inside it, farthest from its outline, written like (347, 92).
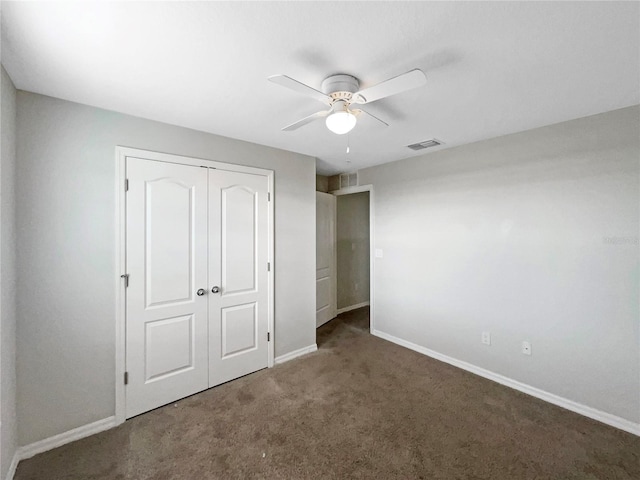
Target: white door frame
(358, 189)
(120, 218)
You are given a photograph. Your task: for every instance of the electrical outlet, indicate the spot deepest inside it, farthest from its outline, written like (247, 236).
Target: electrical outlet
(356, 286)
(379, 253)
(526, 347)
(486, 338)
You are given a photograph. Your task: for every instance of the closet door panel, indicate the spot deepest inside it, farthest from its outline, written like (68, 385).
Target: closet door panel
(238, 248)
(166, 333)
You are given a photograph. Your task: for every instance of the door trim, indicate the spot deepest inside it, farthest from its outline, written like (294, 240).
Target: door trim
(121, 155)
(372, 237)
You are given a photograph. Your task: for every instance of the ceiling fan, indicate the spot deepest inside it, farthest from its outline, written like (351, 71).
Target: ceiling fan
(341, 91)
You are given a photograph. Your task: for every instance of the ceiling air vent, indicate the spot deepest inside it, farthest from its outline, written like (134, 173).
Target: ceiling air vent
(426, 144)
(348, 180)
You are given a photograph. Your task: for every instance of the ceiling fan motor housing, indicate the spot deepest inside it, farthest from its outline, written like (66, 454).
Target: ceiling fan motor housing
(340, 105)
(340, 87)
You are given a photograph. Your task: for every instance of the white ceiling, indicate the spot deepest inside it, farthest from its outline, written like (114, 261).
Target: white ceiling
(493, 68)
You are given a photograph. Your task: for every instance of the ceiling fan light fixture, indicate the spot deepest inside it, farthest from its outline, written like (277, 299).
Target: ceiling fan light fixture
(341, 122)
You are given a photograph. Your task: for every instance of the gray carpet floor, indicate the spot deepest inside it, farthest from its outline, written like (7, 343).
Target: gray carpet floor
(359, 407)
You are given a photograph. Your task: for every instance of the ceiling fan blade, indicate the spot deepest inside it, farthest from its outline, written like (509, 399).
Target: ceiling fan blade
(358, 112)
(407, 81)
(300, 87)
(311, 118)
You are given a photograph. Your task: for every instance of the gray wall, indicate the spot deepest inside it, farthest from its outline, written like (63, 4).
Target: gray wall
(7, 274)
(333, 183)
(66, 251)
(529, 236)
(352, 227)
(322, 183)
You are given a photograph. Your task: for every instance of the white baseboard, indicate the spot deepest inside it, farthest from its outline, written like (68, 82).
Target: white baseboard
(607, 418)
(56, 441)
(12, 468)
(296, 353)
(353, 307)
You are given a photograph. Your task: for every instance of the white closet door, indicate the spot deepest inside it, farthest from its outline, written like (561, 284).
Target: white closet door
(238, 255)
(166, 332)
(326, 277)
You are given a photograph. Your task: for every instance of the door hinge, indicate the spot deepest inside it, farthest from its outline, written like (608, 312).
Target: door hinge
(268, 336)
(126, 279)
(126, 184)
(268, 196)
(126, 378)
(268, 266)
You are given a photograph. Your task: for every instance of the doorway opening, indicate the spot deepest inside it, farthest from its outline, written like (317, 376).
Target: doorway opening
(344, 261)
(353, 258)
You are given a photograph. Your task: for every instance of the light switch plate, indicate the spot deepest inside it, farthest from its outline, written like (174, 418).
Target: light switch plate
(379, 253)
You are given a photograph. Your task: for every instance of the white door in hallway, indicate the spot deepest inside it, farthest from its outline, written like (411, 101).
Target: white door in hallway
(238, 271)
(166, 327)
(198, 294)
(325, 258)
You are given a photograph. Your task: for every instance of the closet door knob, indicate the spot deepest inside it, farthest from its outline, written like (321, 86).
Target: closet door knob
(201, 292)
(215, 290)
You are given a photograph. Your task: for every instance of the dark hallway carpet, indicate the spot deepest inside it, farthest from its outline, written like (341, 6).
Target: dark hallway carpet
(360, 407)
